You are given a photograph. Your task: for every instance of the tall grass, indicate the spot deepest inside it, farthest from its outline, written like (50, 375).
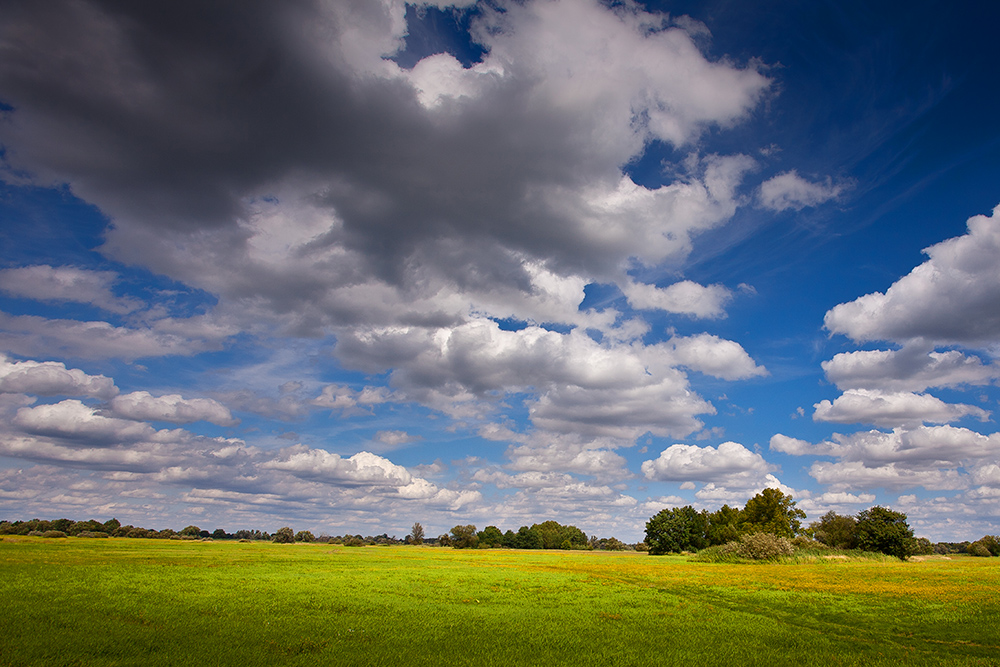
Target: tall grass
(152, 602)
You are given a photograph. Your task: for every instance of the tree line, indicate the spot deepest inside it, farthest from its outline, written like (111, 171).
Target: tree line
(773, 513)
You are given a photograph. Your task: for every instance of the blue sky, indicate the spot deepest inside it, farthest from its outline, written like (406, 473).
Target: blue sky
(347, 266)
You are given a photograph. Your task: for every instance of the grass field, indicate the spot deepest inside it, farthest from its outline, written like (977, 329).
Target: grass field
(160, 602)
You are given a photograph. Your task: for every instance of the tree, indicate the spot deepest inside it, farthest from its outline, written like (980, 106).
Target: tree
(464, 537)
(417, 534)
(722, 525)
(836, 531)
(528, 538)
(675, 530)
(190, 531)
(771, 511)
(305, 536)
(491, 536)
(284, 536)
(881, 529)
(220, 534)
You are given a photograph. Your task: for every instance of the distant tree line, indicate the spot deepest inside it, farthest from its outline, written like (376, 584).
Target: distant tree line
(769, 513)
(545, 535)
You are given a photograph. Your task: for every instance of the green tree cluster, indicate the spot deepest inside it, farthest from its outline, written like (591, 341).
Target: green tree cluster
(876, 529)
(545, 535)
(686, 529)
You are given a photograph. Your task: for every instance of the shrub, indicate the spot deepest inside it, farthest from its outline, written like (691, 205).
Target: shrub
(91, 534)
(304, 536)
(761, 546)
(35, 533)
(354, 541)
(59, 533)
(803, 542)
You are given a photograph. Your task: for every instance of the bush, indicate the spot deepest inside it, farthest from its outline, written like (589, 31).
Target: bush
(803, 542)
(304, 536)
(760, 546)
(35, 533)
(59, 533)
(354, 541)
(92, 534)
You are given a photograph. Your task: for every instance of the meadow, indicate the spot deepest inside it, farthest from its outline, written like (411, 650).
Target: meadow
(88, 602)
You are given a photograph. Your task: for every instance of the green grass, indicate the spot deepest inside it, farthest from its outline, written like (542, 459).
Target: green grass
(152, 602)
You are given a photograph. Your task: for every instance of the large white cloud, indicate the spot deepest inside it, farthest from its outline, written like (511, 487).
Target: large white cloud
(729, 464)
(66, 283)
(932, 457)
(174, 408)
(31, 335)
(911, 368)
(952, 298)
(52, 378)
(869, 406)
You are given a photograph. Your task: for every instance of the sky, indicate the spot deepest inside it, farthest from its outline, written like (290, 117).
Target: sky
(350, 265)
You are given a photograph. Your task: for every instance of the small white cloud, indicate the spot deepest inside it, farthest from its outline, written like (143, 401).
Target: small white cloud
(395, 438)
(714, 356)
(788, 190)
(685, 298)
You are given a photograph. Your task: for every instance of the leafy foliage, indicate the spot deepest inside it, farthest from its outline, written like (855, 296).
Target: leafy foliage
(417, 534)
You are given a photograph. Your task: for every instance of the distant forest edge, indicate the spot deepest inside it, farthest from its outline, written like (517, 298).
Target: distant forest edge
(767, 527)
